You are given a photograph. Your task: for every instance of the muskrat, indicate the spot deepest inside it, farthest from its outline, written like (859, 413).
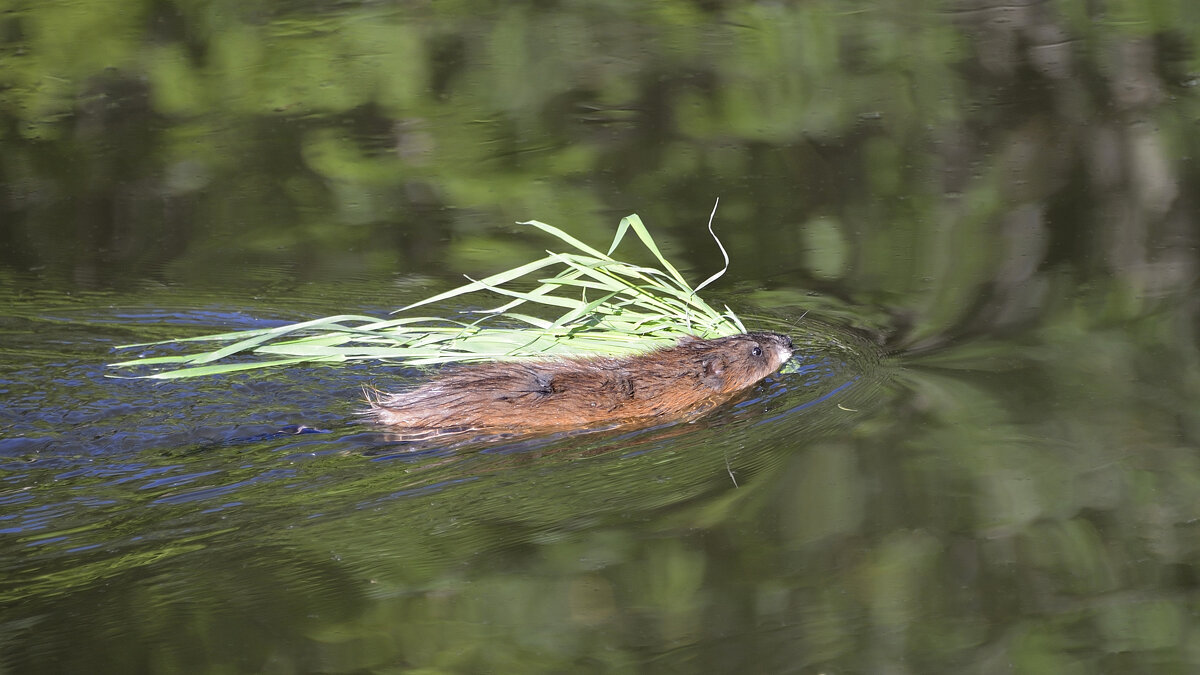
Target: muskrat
(562, 393)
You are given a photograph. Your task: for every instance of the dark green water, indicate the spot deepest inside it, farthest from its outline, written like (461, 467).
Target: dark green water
(980, 219)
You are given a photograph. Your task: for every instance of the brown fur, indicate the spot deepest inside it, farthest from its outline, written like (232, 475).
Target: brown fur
(582, 392)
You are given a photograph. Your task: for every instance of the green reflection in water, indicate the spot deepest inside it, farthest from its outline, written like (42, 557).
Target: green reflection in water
(1000, 195)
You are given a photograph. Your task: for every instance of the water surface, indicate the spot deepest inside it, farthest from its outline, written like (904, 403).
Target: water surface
(977, 218)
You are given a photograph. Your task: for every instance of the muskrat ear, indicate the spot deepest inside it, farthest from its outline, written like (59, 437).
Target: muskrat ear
(714, 371)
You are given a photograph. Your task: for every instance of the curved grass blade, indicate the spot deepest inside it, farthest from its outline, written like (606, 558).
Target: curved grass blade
(635, 308)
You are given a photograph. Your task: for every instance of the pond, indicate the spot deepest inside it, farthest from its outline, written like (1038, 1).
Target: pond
(977, 219)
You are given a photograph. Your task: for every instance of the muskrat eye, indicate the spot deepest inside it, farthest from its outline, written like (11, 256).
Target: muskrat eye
(757, 351)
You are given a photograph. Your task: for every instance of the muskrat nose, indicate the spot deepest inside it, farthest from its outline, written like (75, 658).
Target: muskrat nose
(787, 342)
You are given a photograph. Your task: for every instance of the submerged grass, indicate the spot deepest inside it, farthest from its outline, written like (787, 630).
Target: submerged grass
(608, 307)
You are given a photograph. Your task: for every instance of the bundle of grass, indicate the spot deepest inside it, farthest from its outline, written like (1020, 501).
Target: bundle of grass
(608, 308)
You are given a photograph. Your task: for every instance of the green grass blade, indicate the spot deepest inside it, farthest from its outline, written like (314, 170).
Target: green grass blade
(222, 368)
(633, 308)
(639, 228)
(724, 253)
(487, 283)
(563, 236)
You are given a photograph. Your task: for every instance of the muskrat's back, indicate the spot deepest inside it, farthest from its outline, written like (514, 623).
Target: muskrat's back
(579, 392)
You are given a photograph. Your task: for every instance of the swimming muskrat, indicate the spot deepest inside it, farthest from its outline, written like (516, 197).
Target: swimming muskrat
(580, 392)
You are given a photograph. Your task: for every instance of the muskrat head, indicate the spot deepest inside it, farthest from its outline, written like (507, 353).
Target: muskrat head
(736, 362)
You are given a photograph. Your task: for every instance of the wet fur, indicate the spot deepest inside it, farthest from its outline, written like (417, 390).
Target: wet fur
(582, 392)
